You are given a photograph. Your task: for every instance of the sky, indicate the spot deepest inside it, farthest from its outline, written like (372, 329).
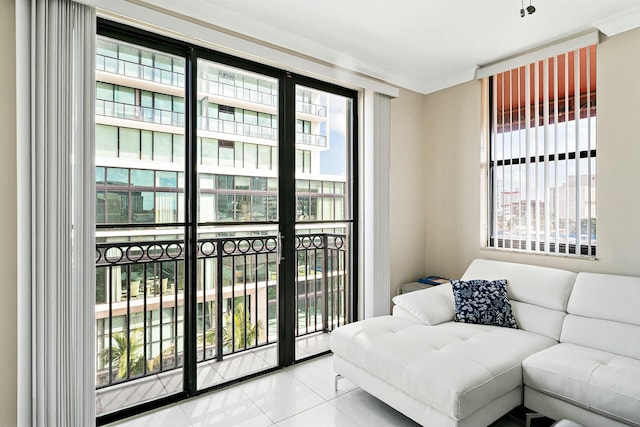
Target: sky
(334, 160)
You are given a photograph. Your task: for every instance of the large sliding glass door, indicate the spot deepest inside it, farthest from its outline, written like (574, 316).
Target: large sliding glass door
(324, 215)
(238, 256)
(225, 218)
(140, 218)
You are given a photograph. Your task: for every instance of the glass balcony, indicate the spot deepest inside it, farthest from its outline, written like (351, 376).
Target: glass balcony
(237, 128)
(139, 71)
(136, 112)
(239, 93)
(311, 108)
(311, 139)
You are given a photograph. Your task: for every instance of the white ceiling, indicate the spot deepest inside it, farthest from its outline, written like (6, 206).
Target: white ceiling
(421, 45)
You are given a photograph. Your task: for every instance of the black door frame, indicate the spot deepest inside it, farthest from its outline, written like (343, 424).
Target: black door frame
(286, 200)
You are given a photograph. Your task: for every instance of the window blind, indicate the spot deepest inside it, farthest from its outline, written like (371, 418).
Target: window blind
(543, 155)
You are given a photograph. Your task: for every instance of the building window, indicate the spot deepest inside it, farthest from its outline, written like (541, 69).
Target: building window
(542, 156)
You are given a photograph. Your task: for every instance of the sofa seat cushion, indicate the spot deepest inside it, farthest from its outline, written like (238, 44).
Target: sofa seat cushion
(456, 368)
(593, 379)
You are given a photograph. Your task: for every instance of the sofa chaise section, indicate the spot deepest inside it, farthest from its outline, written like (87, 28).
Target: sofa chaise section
(455, 368)
(445, 373)
(593, 375)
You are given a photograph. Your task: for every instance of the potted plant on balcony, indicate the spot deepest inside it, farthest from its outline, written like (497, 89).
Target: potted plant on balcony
(134, 284)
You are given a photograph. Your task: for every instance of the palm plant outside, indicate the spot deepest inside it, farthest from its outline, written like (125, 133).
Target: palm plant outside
(233, 338)
(233, 333)
(118, 354)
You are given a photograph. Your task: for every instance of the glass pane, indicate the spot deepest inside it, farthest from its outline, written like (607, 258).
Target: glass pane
(166, 207)
(209, 153)
(237, 182)
(100, 207)
(106, 141)
(178, 148)
(322, 216)
(166, 179)
(118, 176)
(250, 156)
(140, 270)
(264, 157)
(207, 206)
(129, 143)
(104, 91)
(226, 154)
(162, 147)
(125, 95)
(141, 178)
(117, 207)
(100, 175)
(147, 145)
(142, 207)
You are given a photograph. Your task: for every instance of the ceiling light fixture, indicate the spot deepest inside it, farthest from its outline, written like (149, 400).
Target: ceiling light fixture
(530, 9)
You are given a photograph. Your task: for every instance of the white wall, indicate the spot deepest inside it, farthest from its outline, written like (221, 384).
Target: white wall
(406, 188)
(8, 225)
(454, 195)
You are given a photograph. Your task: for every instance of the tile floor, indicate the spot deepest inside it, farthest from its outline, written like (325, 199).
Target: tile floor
(301, 395)
(209, 373)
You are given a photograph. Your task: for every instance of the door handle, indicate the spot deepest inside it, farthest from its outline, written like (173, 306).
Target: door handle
(279, 248)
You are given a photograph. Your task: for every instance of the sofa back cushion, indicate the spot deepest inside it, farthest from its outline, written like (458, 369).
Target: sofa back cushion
(604, 314)
(538, 295)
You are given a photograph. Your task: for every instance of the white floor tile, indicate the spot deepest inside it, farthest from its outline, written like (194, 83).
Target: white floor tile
(369, 411)
(131, 393)
(324, 415)
(240, 365)
(318, 375)
(312, 344)
(269, 354)
(229, 407)
(301, 395)
(280, 395)
(172, 416)
(207, 376)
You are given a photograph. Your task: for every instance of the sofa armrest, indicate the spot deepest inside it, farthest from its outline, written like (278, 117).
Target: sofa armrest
(431, 306)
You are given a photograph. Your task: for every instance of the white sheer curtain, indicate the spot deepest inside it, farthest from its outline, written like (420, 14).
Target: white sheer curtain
(56, 165)
(375, 248)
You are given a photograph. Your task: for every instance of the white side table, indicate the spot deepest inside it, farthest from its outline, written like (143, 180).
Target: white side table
(410, 287)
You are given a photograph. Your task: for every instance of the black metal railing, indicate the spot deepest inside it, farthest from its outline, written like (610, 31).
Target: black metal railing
(140, 299)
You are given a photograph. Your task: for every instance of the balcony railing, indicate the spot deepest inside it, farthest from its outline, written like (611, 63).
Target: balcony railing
(136, 112)
(139, 71)
(140, 299)
(234, 92)
(311, 108)
(237, 128)
(172, 118)
(154, 74)
(311, 139)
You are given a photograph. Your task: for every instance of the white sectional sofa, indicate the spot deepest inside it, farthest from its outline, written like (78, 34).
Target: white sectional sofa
(593, 375)
(444, 373)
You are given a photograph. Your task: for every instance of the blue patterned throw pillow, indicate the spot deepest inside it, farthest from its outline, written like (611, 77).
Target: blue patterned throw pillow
(483, 302)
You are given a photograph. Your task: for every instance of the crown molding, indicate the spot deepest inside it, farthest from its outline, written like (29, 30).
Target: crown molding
(619, 23)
